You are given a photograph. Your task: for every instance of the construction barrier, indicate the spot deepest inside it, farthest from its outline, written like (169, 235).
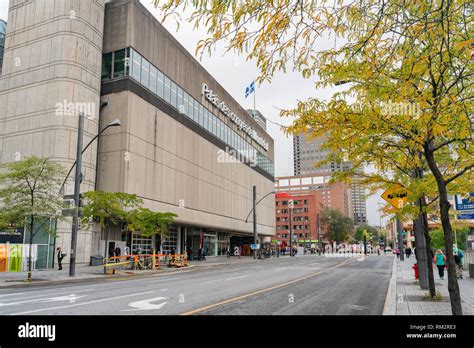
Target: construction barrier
(144, 262)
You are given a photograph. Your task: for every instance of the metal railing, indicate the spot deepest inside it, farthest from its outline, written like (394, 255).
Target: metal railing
(144, 262)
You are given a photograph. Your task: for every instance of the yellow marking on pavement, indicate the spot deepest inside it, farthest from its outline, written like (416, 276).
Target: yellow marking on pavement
(194, 311)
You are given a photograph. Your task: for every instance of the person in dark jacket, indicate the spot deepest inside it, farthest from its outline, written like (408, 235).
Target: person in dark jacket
(60, 256)
(408, 252)
(117, 253)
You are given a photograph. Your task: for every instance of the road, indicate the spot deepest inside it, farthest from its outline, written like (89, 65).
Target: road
(314, 285)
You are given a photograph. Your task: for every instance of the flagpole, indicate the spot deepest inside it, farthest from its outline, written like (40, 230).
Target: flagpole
(254, 92)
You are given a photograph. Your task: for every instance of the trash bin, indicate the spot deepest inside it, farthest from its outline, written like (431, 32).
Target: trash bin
(471, 270)
(97, 260)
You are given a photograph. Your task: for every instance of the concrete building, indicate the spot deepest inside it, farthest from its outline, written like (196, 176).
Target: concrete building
(185, 145)
(313, 192)
(307, 152)
(257, 116)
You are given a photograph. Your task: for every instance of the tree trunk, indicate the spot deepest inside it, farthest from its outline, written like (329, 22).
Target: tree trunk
(425, 226)
(32, 222)
(453, 286)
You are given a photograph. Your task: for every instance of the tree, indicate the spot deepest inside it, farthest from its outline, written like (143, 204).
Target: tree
(150, 222)
(108, 209)
(339, 226)
(407, 68)
(29, 195)
(370, 232)
(437, 238)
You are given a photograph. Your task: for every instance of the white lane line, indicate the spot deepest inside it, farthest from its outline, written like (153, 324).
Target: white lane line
(237, 277)
(70, 298)
(163, 279)
(45, 295)
(211, 281)
(163, 289)
(13, 294)
(83, 303)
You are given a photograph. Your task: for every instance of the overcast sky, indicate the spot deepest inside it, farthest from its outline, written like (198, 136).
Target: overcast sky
(234, 74)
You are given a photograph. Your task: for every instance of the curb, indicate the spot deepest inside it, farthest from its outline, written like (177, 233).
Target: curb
(390, 305)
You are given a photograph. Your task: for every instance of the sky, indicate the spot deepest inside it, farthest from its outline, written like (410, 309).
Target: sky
(234, 73)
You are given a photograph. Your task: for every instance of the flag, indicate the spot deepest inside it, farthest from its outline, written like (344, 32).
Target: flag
(250, 89)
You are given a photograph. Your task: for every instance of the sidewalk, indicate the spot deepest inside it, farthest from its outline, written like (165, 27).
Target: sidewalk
(86, 273)
(410, 297)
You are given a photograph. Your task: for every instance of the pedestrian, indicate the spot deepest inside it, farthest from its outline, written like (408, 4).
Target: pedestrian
(60, 255)
(397, 251)
(228, 252)
(117, 253)
(408, 252)
(190, 254)
(440, 262)
(458, 259)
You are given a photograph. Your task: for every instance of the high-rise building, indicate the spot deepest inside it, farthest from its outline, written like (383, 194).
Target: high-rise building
(178, 124)
(307, 152)
(3, 31)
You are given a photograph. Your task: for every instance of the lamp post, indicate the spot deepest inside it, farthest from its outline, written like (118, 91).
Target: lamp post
(77, 185)
(254, 210)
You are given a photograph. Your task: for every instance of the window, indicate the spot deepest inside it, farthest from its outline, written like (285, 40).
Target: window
(210, 116)
(106, 66)
(196, 111)
(206, 118)
(136, 65)
(145, 75)
(153, 79)
(173, 94)
(222, 131)
(185, 103)
(179, 101)
(218, 126)
(214, 123)
(226, 134)
(160, 84)
(120, 63)
(201, 115)
(167, 90)
(190, 107)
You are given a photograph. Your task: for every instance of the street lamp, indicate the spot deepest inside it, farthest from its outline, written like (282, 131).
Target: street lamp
(254, 210)
(77, 185)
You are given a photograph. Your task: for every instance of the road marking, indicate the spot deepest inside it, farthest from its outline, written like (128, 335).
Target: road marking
(70, 298)
(45, 295)
(146, 305)
(264, 290)
(83, 303)
(211, 281)
(163, 289)
(243, 276)
(13, 293)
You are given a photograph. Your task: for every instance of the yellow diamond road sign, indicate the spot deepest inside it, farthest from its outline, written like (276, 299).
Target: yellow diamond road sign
(396, 195)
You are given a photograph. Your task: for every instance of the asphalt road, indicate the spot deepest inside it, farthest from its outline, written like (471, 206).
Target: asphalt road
(314, 285)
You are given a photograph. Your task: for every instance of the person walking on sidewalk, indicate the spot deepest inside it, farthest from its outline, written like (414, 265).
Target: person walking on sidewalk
(408, 252)
(458, 259)
(60, 255)
(440, 262)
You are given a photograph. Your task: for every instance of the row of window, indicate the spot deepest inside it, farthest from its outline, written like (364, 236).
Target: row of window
(295, 227)
(128, 62)
(294, 202)
(295, 211)
(301, 235)
(296, 218)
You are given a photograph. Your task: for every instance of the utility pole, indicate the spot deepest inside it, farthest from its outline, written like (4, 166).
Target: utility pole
(290, 207)
(319, 234)
(77, 189)
(254, 220)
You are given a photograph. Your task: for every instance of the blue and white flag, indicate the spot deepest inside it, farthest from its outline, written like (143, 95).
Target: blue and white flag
(250, 89)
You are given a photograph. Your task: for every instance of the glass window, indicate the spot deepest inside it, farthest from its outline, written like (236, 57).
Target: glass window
(214, 123)
(136, 65)
(179, 101)
(167, 90)
(145, 75)
(191, 107)
(196, 111)
(222, 131)
(106, 66)
(120, 58)
(185, 103)
(206, 118)
(201, 115)
(153, 79)
(160, 84)
(173, 94)
(211, 118)
(226, 134)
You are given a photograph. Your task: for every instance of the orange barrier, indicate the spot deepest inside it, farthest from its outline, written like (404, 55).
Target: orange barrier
(145, 261)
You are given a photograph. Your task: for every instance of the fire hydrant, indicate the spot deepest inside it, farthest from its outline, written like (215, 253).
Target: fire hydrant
(416, 269)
